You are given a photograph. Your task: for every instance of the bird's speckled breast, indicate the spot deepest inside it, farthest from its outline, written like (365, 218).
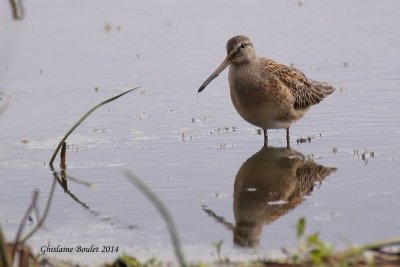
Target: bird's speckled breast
(252, 99)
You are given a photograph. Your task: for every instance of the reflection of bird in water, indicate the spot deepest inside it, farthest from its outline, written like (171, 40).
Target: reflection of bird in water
(267, 186)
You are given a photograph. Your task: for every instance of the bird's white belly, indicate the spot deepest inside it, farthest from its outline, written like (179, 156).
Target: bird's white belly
(264, 115)
(261, 116)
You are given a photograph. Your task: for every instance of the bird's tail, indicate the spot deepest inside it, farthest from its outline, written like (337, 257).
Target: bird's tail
(325, 88)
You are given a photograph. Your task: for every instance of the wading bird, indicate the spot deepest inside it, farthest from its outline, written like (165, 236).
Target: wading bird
(266, 93)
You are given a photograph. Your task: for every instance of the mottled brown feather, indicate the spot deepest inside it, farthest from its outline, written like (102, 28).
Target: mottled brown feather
(305, 92)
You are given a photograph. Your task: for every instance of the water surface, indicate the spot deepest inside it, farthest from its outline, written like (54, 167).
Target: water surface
(65, 57)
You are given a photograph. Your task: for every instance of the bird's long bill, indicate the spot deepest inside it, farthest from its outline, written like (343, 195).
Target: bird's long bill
(221, 67)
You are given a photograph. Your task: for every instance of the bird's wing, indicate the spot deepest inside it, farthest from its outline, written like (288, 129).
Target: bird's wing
(305, 92)
(310, 173)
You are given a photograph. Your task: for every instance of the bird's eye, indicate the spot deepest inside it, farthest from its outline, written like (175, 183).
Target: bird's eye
(243, 45)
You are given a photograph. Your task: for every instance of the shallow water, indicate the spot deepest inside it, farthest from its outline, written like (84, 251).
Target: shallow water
(65, 57)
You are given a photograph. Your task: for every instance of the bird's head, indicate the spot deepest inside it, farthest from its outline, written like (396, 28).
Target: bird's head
(240, 50)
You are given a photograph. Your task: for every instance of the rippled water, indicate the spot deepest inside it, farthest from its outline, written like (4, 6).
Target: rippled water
(194, 151)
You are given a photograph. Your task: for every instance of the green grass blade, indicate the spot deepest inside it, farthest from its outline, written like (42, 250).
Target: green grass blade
(24, 220)
(46, 211)
(4, 259)
(17, 9)
(301, 225)
(163, 211)
(82, 119)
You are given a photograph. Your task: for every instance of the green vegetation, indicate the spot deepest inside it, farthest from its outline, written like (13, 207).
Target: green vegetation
(218, 248)
(311, 249)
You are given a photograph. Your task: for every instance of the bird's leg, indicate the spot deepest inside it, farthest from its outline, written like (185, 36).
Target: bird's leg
(287, 138)
(265, 137)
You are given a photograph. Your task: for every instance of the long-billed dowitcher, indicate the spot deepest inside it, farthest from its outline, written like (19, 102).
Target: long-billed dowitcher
(266, 93)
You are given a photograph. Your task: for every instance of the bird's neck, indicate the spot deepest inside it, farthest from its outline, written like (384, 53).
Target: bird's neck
(246, 70)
